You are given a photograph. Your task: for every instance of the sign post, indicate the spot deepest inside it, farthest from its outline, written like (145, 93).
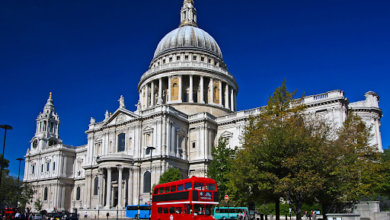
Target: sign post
(227, 201)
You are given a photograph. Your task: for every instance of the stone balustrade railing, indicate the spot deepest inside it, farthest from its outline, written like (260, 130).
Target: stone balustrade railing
(201, 65)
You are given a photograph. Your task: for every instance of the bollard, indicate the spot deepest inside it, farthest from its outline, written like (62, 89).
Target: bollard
(262, 216)
(286, 217)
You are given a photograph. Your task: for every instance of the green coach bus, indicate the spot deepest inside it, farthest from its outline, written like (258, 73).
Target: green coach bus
(228, 212)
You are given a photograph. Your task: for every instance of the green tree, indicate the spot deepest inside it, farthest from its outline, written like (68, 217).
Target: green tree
(38, 204)
(221, 165)
(26, 193)
(5, 163)
(170, 175)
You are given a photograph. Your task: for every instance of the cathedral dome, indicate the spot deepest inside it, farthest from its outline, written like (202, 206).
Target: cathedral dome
(188, 37)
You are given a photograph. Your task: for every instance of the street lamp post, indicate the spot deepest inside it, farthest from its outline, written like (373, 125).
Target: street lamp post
(5, 127)
(17, 198)
(117, 204)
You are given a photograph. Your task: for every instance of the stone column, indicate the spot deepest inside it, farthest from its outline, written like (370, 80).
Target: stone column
(191, 98)
(235, 101)
(146, 96)
(108, 191)
(211, 95)
(152, 94)
(201, 90)
(130, 187)
(100, 183)
(169, 89)
(180, 88)
(220, 92)
(159, 101)
(63, 196)
(173, 133)
(120, 169)
(232, 100)
(227, 96)
(140, 99)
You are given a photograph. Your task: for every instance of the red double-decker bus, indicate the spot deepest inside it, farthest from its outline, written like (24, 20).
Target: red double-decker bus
(191, 198)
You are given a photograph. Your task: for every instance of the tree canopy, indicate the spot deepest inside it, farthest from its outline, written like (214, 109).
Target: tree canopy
(221, 165)
(170, 175)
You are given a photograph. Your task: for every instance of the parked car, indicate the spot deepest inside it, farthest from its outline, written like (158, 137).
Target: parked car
(37, 217)
(71, 216)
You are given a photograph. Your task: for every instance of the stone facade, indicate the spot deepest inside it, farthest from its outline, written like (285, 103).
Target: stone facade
(187, 101)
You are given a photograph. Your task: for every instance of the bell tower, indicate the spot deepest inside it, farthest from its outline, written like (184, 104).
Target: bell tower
(188, 14)
(48, 124)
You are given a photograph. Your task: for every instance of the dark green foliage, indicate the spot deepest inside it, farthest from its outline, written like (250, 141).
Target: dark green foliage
(170, 175)
(221, 166)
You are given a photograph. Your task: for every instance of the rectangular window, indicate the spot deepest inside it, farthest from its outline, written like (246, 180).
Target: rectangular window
(202, 59)
(166, 210)
(193, 144)
(164, 61)
(194, 58)
(166, 189)
(48, 167)
(199, 186)
(42, 168)
(159, 209)
(179, 210)
(188, 186)
(186, 57)
(32, 170)
(209, 60)
(54, 166)
(171, 210)
(180, 188)
(173, 188)
(156, 191)
(199, 209)
(162, 190)
(170, 59)
(211, 187)
(178, 58)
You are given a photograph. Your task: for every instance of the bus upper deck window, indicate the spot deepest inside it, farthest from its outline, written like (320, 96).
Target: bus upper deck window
(156, 191)
(211, 187)
(162, 190)
(173, 188)
(166, 189)
(199, 186)
(180, 188)
(159, 209)
(188, 186)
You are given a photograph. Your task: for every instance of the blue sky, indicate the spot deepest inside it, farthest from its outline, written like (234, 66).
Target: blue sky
(90, 52)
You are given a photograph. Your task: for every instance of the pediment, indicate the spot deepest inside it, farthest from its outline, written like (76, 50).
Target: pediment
(120, 116)
(227, 134)
(148, 129)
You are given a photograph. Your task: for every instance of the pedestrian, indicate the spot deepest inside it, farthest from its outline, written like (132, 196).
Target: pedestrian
(306, 215)
(314, 215)
(17, 215)
(108, 214)
(85, 216)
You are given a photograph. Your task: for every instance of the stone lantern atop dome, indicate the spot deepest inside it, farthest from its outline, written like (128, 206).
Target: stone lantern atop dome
(188, 71)
(188, 14)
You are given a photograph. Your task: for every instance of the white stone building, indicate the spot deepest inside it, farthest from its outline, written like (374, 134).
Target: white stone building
(187, 100)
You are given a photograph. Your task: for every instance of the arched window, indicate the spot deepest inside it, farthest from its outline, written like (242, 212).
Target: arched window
(147, 182)
(78, 193)
(121, 142)
(35, 144)
(95, 189)
(45, 194)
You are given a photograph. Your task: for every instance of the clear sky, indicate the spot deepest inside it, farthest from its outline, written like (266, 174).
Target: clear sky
(89, 52)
